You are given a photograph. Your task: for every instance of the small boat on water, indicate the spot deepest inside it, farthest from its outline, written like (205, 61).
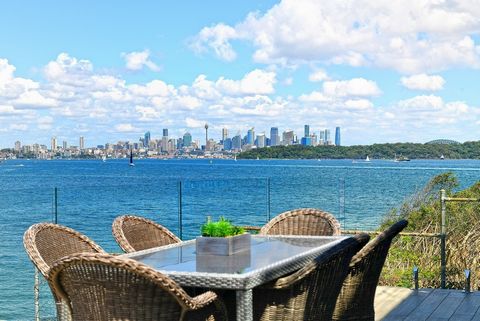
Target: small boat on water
(442, 157)
(131, 159)
(401, 159)
(104, 158)
(367, 159)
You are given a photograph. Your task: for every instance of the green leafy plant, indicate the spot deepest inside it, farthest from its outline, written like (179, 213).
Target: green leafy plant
(222, 228)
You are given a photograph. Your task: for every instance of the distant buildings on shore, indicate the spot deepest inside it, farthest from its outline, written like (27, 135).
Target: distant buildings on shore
(184, 146)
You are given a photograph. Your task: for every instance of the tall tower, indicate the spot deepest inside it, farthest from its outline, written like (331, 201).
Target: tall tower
(307, 131)
(337, 136)
(224, 134)
(251, 136)
(82, 143)
(54, 144)
(274, 139)
(146, 140)
(206, 136)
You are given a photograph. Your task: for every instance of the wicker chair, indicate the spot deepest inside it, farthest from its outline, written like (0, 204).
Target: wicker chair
(45, 243)
(102, 287)
(134, 233)
(311, 292)
(356, 298)
(303, 221)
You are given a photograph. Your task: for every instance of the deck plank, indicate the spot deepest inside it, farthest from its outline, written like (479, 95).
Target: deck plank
(405, 306)
(447, 307)
(401, 304)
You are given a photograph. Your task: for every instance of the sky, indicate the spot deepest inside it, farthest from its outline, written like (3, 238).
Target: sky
(382, 70)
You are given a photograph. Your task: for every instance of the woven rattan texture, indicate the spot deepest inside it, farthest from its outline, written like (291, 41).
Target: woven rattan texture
(356, 298)
(101, 287)
(45, 243)
(134, 233)
(311, 292)
(303, 221)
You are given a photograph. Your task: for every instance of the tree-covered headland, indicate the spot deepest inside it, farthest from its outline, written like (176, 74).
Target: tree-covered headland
(467, 150)
(423, 212)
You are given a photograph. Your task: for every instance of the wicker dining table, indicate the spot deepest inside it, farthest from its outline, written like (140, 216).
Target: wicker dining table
(268, 258)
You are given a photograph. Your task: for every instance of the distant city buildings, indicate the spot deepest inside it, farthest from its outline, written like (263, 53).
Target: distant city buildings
(184, 146)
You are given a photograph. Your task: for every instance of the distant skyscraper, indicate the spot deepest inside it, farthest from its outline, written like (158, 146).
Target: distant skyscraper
(165, 132)
(206, 136)
(18, 146)
(224, 134)
(288, 137)
(237, 142)
(146, 140)
(64, 145)
(307, 131)
(251, 136)
(227, 144)
(54, 144)
(274, 138)
(328, 140)
(187, 139)
(337, 136)
(81, 144)
(261, 140)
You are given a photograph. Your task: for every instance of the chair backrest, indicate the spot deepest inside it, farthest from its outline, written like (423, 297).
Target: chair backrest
(45, 243)
(311, 292)
(134, 233)
(303, 221)
(357, 296)
(102, 287)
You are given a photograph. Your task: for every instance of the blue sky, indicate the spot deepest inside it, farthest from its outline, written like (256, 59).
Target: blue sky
(401, 71)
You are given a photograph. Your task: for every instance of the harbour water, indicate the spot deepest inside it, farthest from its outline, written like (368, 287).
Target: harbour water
(181, 193)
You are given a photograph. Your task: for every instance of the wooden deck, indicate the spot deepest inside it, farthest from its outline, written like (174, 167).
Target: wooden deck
(395, 304)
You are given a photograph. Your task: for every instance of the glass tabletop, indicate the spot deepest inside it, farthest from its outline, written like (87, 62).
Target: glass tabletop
(264, 251)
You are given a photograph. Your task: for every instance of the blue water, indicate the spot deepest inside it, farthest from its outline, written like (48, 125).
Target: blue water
(90, 194)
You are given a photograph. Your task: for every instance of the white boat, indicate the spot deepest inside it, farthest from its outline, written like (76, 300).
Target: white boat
(442, 157)
(367, 159)
(104, 158)
(235, 157)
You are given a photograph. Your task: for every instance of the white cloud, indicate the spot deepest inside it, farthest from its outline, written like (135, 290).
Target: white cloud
(33, 99)
(423, 82)
(358, 87)
(136, 60)
(125, 128)
(255, 82)
(19, 127)
(411, 36)
(216, 39)
(45, 123)
(318, 75)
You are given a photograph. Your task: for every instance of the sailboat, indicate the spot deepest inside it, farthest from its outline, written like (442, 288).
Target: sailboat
(104, 158)
(367, 159)
(442, 157)
(131, 159)
(235, 157)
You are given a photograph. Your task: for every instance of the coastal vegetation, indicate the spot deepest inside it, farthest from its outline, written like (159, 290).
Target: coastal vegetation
(221, 228)
(467, 150)
(423, 212)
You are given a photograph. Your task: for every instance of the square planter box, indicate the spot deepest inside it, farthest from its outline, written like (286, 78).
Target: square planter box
(223, 245)
(234, 263)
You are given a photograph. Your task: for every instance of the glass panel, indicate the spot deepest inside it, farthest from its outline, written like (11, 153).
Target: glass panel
(263, 252)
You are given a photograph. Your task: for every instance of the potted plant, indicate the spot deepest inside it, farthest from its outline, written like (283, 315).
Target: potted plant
(222, 238)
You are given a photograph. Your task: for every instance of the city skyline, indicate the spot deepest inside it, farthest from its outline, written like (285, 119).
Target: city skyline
(402, 71)
(227, 143)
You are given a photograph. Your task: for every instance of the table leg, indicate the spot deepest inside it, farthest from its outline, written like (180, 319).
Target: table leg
(244, 305)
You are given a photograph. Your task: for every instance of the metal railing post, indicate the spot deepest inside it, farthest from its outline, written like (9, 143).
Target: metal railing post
(56, 206)
(415, 277)
(467, 281)
(268, 201)
(36, 294)
(180, 214)
(443, 235)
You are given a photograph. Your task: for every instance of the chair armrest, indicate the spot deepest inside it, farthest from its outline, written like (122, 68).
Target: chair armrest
(203, 299)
